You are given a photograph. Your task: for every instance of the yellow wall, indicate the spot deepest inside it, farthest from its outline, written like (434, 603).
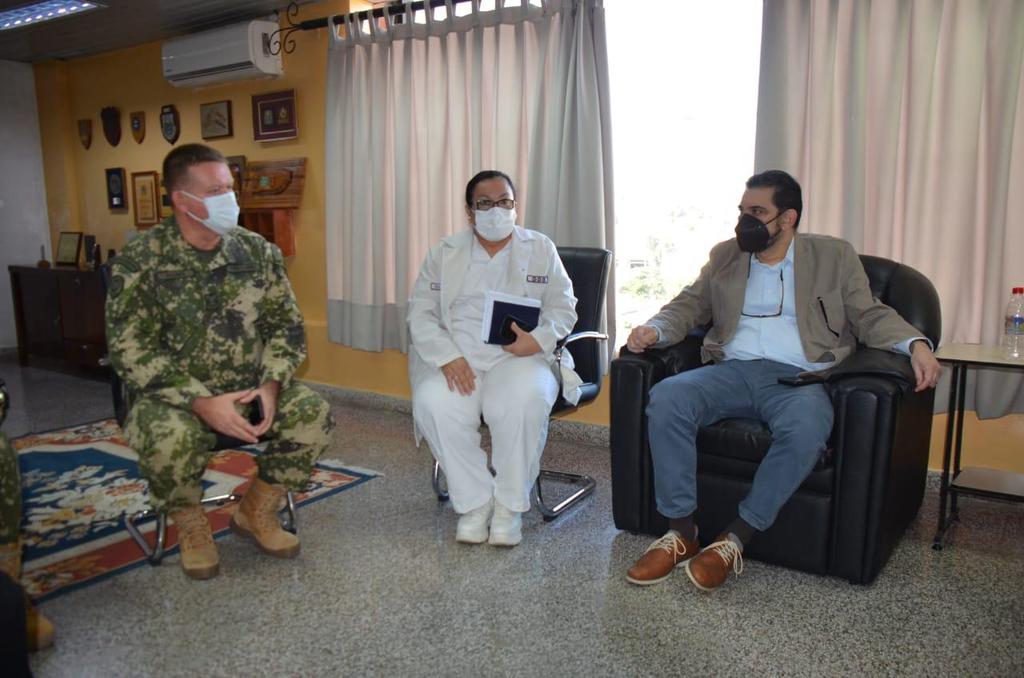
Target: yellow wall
(993, 443)
(131, 80)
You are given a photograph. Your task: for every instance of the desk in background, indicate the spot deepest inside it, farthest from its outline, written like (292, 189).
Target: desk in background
(58, 314)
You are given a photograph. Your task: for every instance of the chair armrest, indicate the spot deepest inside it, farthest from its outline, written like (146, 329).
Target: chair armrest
(873, 362)
(560, 348)
(632, 376)
(668, 361)
(881, 439)
(601, 336)
(562, 343)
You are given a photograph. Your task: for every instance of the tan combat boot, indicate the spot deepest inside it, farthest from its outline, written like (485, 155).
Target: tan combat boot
(10, 560)
(39, 629)
(256, 518)
(199, 558)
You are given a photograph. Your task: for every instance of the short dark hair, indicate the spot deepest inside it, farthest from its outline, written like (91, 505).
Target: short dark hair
(484, 176)
(786, 193)
(179, 160)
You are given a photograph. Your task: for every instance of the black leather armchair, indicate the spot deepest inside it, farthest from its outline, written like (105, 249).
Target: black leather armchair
(848, 515)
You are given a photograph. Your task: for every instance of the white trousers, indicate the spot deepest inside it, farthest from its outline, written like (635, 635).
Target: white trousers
(515, 399)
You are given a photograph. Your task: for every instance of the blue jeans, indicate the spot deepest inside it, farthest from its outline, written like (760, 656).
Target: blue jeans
(800, 419)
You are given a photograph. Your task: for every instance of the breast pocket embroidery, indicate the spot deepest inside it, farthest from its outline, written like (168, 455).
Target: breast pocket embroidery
(542, 279)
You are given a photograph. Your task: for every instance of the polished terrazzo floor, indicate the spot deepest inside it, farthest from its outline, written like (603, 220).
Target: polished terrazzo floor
(381, 588)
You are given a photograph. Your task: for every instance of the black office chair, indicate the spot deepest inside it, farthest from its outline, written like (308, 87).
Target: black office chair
(155, 552)
(588, 269)
(848, 515)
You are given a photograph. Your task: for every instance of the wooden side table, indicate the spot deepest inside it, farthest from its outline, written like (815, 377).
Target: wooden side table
(978, 482)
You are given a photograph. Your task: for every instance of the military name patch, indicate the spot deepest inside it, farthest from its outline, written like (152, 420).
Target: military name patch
(435, 287)
(116, 286)
(543, 279)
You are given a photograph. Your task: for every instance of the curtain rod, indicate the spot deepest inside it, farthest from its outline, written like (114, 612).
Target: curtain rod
(281, 38)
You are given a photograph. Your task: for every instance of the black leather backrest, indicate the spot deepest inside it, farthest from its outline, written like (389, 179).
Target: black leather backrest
(588, 269)
(908, 292)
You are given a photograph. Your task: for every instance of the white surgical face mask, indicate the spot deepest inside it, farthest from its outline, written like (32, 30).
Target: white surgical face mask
(495, 224)
(223, 210)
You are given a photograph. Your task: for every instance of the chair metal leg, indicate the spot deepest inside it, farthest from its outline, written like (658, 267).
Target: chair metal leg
(586, 488)
(440, 485)
(585, 484)
(155, 553)
(288, 517)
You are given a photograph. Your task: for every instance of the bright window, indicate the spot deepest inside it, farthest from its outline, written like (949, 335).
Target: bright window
(684, 80)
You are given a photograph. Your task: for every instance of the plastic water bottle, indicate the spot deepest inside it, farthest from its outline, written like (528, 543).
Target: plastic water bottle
(1013, 337)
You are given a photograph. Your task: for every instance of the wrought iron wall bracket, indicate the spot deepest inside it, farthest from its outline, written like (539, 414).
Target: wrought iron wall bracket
(281, 40)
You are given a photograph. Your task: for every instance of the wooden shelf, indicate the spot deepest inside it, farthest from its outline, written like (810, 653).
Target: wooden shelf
(271, 192)
(274, 225)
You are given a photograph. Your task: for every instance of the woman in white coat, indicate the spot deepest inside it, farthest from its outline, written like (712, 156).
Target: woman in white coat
(457, 378)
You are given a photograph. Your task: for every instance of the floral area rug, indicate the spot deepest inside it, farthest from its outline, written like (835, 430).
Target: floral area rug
(78, 482)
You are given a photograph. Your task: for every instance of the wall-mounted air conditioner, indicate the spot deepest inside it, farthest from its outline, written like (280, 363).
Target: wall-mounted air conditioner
(235, 52)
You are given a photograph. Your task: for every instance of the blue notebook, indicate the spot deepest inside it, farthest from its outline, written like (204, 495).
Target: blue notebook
(501, 310)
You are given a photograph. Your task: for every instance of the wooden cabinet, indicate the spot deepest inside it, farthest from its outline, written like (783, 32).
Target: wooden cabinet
(59, 314)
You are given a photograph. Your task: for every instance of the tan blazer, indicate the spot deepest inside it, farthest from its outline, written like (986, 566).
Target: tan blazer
(834, 306)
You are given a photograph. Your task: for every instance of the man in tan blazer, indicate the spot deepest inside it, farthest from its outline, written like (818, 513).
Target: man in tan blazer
(781, 305)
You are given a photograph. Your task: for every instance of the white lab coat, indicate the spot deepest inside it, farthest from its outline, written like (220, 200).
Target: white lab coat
(535, 270)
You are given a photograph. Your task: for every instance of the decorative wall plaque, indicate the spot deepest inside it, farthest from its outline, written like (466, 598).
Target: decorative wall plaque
(115, 188)
(138, 123)
(273, 184)
(85, 133)
(111, 118)
(170, 123)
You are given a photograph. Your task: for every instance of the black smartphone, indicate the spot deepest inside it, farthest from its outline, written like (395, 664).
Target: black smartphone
(801, 381)
(507, 335)
(256, 412)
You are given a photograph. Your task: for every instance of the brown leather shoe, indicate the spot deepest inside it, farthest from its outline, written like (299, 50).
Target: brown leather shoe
(256, 518)
(661, 557)
(199, 557)
(709, 568)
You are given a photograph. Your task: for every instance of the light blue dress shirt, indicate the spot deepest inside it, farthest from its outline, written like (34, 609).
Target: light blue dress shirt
(767, 329)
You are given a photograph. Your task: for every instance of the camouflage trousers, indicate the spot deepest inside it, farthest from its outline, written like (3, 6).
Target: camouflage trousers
(174, 445)
(10, 493)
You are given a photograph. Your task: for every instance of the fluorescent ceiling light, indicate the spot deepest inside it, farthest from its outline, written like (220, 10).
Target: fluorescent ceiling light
(36, 13)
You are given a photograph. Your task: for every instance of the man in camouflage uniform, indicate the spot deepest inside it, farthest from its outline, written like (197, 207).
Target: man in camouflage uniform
(202, 324)
(21, 624)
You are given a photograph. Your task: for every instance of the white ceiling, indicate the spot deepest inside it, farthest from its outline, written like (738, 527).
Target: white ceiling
(124, 23)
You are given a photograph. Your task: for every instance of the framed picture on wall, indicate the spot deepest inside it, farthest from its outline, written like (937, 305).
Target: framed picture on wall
(273, 116)
(146, 198)
(116, 188)
(69, 245)
(215, 120)
(166, 209)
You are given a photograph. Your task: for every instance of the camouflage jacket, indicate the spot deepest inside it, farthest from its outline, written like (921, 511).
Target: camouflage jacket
(181, 325)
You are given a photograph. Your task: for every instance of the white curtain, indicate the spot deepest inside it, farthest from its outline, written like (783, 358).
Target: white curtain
(904, 122)
(419, 103)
